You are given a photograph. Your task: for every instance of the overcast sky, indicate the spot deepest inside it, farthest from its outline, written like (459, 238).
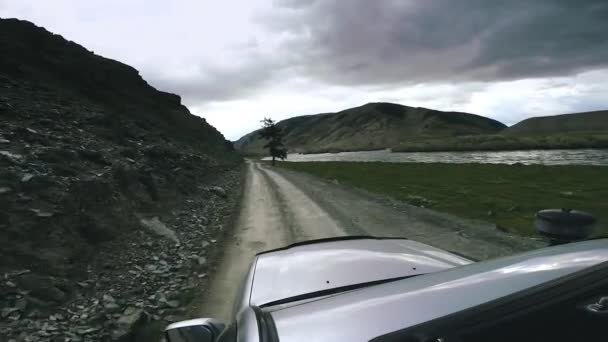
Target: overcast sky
(235, 62)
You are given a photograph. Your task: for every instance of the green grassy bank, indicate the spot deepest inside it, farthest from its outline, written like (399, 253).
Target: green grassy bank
(507, 195)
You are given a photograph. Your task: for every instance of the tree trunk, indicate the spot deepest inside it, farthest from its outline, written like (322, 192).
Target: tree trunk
(273, 160)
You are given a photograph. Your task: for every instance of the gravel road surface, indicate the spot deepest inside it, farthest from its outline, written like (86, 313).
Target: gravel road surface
(282, 207)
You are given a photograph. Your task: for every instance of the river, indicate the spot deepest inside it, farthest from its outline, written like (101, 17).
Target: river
(545, 157)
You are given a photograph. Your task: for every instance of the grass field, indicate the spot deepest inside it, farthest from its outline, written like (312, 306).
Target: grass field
(507, 195)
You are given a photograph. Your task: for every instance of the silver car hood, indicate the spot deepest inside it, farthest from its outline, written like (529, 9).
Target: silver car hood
(318, 266)
(367, 313)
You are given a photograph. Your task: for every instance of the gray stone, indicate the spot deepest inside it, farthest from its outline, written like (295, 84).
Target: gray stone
(12, 157)
(49, 327)
(108, 298)
(14, 316)
(5, 190)
(172, 318)
(172, 303)
(151, 268)
(7, 311)
(128, 322)
(218, 191)
(202, 261)
(41, 213)
(86, 331)
(111, 307)
(168, 303)
(27, 177)
(21, 304)
(18, 273)
(159, 228)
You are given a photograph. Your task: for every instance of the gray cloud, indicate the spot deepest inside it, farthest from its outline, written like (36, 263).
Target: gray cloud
(294, 3)
(398, 42)
(274, 57)
(222, 83)
(394, 41)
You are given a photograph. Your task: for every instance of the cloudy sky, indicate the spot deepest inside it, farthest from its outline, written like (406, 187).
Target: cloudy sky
(234, 62)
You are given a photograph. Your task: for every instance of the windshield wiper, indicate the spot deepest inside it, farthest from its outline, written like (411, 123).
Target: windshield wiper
(334, 290)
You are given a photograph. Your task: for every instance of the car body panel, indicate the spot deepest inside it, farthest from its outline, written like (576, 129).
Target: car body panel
(244, 293)
(247, 326)
(313, 267)
(364, 314)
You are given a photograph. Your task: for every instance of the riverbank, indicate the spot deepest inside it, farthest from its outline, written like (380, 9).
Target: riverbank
(472, 143)
(506, 195)
(593, 157)
(506, 142)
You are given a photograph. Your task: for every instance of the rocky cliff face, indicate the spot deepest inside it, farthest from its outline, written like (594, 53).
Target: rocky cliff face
(112, 194)
(372, 126)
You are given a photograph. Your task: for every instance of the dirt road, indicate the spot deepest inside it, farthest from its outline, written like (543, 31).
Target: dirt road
(281, 207)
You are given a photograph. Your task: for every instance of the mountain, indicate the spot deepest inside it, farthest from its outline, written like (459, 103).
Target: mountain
(371, 126)
(565, 123)
(48, 60)
(567, 131)
(108, 187)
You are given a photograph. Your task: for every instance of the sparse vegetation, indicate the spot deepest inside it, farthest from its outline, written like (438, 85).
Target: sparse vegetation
(507, 195)
(274, 140)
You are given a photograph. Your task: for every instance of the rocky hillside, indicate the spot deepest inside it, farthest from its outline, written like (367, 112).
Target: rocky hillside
(113, 195)
(565, 123)
(372, 126)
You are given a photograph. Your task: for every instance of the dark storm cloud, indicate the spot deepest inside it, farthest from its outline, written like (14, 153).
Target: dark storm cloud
(395, 41)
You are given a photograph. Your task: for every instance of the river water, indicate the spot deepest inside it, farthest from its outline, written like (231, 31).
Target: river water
(545, 157)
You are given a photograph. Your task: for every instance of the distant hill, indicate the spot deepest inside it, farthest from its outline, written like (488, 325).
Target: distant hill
(576, 122)
(371, 126)
(567, 131)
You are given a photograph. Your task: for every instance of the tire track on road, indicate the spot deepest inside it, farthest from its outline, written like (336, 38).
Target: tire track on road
(305, 217)
(259, 227)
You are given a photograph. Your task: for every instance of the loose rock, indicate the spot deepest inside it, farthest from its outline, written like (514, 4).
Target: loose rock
(218, 190)
(130, 320)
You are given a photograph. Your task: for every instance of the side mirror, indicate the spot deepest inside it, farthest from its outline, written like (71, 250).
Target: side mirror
(200, 330)
(564, 225)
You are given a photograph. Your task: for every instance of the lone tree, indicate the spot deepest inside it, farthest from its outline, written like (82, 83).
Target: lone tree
(274, 139)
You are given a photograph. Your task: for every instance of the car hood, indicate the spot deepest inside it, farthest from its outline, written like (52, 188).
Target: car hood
(323, 265)
(365, 314)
